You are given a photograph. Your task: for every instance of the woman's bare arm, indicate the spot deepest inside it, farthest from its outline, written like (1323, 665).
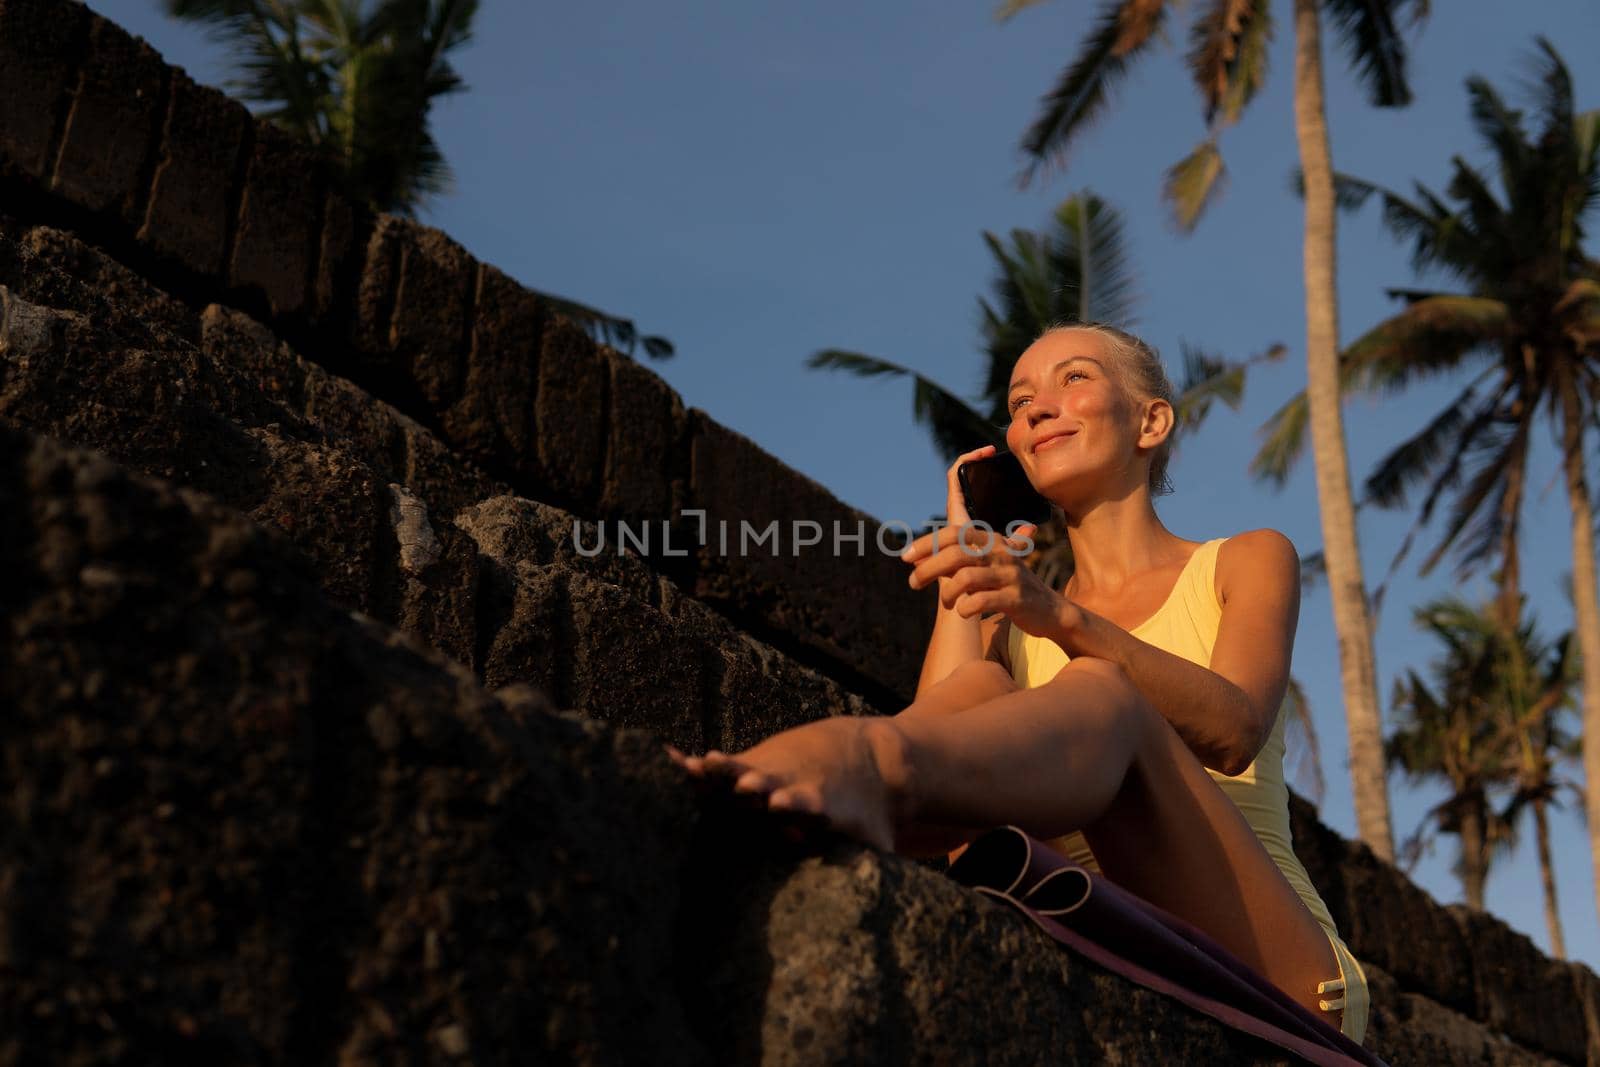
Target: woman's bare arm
(958, 640)
(1224, 713)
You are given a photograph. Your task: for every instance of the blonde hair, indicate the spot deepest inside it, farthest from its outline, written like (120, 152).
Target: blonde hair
(1141, 372)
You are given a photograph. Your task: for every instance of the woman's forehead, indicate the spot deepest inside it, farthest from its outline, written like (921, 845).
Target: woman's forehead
(1056, 346)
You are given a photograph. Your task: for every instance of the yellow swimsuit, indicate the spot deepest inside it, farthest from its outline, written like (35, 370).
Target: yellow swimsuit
(1186, 625)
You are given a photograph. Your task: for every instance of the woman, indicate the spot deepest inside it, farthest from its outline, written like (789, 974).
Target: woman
(1138, 711)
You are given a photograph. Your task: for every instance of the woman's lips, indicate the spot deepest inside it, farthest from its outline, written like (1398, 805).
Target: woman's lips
(1048, 441)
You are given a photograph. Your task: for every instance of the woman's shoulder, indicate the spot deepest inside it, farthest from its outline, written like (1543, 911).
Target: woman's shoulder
(1256, 555)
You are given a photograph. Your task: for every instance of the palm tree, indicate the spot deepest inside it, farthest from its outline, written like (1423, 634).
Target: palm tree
(1526, 323)
(1497, 724)
(1536, 683)
(1076, 271)
(1450, 731)
(1227, 57)
(357, 78)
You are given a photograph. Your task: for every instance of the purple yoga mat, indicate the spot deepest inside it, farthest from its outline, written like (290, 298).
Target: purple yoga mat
(1143, 943)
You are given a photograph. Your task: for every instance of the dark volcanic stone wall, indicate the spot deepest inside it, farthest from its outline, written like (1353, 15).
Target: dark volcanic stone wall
(292, 596)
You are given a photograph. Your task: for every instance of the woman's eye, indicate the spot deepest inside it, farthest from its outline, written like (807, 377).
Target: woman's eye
(1017, 403)
(1071, 374)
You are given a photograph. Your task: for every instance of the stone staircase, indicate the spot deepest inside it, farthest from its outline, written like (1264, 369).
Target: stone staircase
(292, 500)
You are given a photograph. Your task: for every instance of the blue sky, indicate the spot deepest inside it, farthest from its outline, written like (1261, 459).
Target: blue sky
(759, 181)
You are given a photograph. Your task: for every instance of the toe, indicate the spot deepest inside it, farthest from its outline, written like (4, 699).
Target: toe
(796, 798)
(754, 782)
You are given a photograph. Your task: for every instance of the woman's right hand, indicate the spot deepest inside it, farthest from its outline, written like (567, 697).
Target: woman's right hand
(977, 541)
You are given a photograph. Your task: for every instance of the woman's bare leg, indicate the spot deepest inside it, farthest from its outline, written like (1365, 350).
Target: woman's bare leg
(1083, 751)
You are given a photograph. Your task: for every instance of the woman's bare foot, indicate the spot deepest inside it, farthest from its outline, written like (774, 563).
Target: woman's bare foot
(853, 772)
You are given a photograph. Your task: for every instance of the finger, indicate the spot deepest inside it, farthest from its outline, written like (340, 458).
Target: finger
(919, 549)
(976, 453)
(968, 580)
(947, 562)
(721, 763)
(755, 782)
(1022, 533)
(972, 605)
(796, 798)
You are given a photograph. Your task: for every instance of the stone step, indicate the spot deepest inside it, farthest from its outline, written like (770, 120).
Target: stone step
(253, 826)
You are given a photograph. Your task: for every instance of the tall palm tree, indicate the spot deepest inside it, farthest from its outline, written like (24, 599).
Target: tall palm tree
(357, 78)
(1450, 731)
(1078, 270)
(1536, 683)
(1227, 57)
(1526, 323)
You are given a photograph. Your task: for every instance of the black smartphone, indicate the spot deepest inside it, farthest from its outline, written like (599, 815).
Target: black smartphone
(997, 491)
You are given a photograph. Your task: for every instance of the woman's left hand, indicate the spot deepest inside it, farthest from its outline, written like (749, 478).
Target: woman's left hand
(986, 574)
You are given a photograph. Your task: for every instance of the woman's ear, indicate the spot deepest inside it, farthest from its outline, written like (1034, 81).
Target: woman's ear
(1158, 424)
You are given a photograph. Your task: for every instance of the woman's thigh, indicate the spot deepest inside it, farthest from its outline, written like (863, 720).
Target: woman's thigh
(1172, 837)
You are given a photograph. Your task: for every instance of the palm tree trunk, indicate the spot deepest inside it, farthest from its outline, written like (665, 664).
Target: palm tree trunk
(1552, 916)
(1510, 558)
(1586, 606)
(1474, 858)
(1357, 670)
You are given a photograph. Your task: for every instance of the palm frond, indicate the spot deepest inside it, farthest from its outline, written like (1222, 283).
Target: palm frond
(1283, 440)
(956, 427)
(1414, 459)
(1433, 335)
(1123, 29)
(1008, 8)
(1088, 253)
(1228, 55)
(1192, 183)
(1367, 30)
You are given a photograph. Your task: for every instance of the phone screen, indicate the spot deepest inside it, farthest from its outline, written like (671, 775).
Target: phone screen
(997, 491)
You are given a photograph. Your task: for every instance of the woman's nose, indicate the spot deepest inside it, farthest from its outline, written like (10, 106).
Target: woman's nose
(1039, 409)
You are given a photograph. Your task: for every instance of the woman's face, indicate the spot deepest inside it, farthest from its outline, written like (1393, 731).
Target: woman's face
(1074, 427)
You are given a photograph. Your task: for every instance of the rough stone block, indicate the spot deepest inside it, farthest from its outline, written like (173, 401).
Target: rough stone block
(818, 597)
(493, 419)
(202, 135)
(276, 239)
(1586, 987)
(569, 414)
(39, 57)
(119, 297)
(646, 441)
(428, 330)
(412, 308)
(255, 829)
(1387, 933)
(111, 124)
(344, 223)
(1521, 992)
(631, 665)
(1410, 1030)
(854, 957)
(753, 691)
(521, 533)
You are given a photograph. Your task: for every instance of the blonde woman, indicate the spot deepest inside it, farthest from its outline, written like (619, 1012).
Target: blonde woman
(1135, 718)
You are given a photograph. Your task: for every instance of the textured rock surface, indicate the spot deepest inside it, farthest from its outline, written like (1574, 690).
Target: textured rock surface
(247, 822)
(249, 826)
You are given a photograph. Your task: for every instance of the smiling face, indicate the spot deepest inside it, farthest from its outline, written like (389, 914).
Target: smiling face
(1075, 426)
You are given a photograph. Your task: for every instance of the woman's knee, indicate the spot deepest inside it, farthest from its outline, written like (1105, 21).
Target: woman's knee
(1117, 696)
(985, 672)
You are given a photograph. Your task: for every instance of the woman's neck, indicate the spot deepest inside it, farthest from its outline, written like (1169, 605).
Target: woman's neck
(1113, 540)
